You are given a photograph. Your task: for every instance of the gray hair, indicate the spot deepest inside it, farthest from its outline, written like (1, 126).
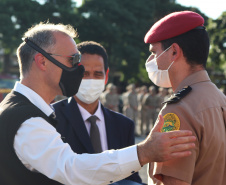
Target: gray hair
(42, 35)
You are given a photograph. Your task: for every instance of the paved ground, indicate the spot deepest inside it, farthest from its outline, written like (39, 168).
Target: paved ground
(143, 171)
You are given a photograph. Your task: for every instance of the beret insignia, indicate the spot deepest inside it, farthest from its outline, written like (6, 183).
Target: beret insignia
(171, 122)
(179, 95)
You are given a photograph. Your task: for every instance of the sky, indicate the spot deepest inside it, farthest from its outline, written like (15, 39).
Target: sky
(211, 8)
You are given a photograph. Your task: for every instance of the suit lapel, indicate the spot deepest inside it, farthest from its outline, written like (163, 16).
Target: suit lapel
(74, 116)
(113, 137)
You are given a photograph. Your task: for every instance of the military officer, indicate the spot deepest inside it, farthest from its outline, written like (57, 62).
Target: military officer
(163, 92)
(141, 108)
(130, 103)
(179, 45)
(110, 98)
(151, 102)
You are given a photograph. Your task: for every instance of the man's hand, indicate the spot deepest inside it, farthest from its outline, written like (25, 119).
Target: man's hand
(158, 147)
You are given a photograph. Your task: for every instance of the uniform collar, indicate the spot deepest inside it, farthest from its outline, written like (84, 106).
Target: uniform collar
(200, 76)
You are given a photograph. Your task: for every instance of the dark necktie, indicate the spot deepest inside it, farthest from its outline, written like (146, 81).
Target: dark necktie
(95, 134)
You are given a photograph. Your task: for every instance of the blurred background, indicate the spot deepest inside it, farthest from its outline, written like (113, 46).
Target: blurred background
(118, 25)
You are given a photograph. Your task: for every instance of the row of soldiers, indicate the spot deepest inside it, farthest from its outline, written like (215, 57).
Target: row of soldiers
(141, 104)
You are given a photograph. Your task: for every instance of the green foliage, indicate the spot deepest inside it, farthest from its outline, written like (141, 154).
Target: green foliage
(216, 62)
(217, 31)
(119, 25)
(17, 16)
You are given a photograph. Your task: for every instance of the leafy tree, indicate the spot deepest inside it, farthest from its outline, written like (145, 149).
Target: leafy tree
(121, 26)
(12, 26)
(17, 16)
(217, 32)
(217, 57)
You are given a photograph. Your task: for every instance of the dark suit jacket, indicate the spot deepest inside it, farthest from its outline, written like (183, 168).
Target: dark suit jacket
(119, 129)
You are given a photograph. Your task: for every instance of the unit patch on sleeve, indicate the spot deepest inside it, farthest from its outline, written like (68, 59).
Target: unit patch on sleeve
(171, 122)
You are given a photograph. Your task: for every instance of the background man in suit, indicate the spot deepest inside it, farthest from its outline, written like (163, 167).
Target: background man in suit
(116, 131)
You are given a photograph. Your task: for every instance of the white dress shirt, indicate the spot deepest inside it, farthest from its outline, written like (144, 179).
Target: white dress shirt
(100, 123)
(39, 147)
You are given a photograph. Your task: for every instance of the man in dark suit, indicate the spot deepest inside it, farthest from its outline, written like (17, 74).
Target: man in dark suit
(115, 130)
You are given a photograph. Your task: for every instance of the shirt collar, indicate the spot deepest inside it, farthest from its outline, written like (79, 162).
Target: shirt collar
(200, 76)
(85, 114)
(33, 97)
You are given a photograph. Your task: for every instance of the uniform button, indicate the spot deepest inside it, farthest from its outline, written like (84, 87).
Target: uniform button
(133, 172)
(111, 181)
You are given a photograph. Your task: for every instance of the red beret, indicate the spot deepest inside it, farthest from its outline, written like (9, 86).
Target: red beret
(173, 25)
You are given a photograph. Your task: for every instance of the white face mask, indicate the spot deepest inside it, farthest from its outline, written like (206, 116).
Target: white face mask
(157, 76)
(90, 90)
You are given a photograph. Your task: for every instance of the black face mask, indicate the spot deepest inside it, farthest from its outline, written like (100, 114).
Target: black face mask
(70, 78)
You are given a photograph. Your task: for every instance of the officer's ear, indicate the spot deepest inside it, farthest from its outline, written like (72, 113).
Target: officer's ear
(106, 76)
(40, 61)
(176, 52)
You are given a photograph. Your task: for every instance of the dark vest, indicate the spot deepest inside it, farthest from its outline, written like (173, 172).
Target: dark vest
(14, 110)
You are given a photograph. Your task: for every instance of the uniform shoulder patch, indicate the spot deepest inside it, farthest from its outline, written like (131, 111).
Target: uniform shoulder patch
(171, 122)
(179, 95)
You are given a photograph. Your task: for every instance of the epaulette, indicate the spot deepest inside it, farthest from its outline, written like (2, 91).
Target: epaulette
(179, 95)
